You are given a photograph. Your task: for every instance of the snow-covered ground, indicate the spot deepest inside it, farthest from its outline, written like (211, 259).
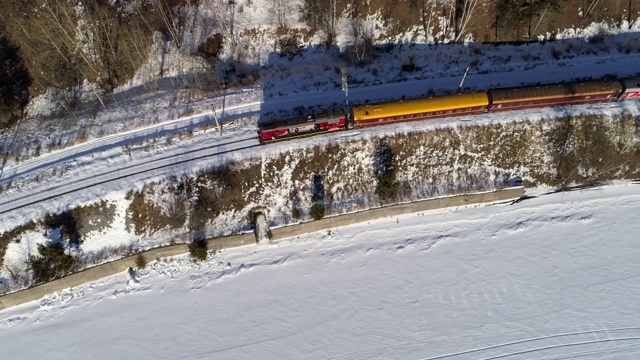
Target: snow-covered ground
(547, 278)
(132, 155)
(553, 277)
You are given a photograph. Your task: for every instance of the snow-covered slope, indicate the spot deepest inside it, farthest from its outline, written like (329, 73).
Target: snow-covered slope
(552, 277)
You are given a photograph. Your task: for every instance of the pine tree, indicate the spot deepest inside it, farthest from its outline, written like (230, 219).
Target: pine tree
(51, 262)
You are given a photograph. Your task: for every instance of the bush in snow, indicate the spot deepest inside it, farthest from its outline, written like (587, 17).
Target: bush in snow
(51, 263)
(317, 211)
(296, 213)
(384, 170)
(141, 261)
(198, 249)
(288, 46)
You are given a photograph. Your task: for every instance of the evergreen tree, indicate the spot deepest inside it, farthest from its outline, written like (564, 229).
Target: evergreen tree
(51, 262)
(385, 173)
(14, 83)
(198, 249)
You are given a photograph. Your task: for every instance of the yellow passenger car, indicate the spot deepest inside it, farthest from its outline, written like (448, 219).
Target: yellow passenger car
(419, 109)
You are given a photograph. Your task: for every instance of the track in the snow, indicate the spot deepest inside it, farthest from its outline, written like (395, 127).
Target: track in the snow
(122, 173)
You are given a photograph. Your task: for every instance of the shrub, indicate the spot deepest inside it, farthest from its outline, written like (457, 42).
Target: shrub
(296, 213)
(141, 261)
(211, 48)
(317, 211)
(269, 234)
(198, 249)
(384, 170)
(51, 263)
(409, 65)
(288, 46)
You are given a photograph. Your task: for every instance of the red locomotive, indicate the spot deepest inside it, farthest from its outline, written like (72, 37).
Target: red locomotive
(299, 126)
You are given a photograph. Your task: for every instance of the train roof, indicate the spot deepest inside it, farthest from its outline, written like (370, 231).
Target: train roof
(543, 92)
(420, 105)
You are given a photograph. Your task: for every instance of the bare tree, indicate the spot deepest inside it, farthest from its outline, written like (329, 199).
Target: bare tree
(468, 13)
(321, 15)
(427, 9)
(280, 10)
(592, 5)
(361, 29)
(167, 15)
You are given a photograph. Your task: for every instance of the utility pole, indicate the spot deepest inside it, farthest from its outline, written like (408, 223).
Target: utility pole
(463, 77)
(215, 116)
(345, 83)
(345, 88)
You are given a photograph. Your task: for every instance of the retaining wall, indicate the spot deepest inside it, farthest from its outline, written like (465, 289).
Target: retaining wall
(101, 271)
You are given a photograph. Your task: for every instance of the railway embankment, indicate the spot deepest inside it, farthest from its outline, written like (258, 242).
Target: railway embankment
(114, 267)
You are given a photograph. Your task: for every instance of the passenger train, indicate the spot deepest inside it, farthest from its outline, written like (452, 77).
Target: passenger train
(493, 100)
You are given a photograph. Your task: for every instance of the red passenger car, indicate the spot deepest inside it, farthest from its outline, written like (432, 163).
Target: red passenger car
(554, 95)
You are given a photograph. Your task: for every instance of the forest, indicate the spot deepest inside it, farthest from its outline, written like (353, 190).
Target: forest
(62, 44)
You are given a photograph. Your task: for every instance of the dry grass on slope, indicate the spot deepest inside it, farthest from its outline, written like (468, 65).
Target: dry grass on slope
(449, 160)
(444, 161)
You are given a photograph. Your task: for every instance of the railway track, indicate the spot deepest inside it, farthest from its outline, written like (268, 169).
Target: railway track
(126, 176)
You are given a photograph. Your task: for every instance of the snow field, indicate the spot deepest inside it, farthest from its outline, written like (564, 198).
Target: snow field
(551, 277)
